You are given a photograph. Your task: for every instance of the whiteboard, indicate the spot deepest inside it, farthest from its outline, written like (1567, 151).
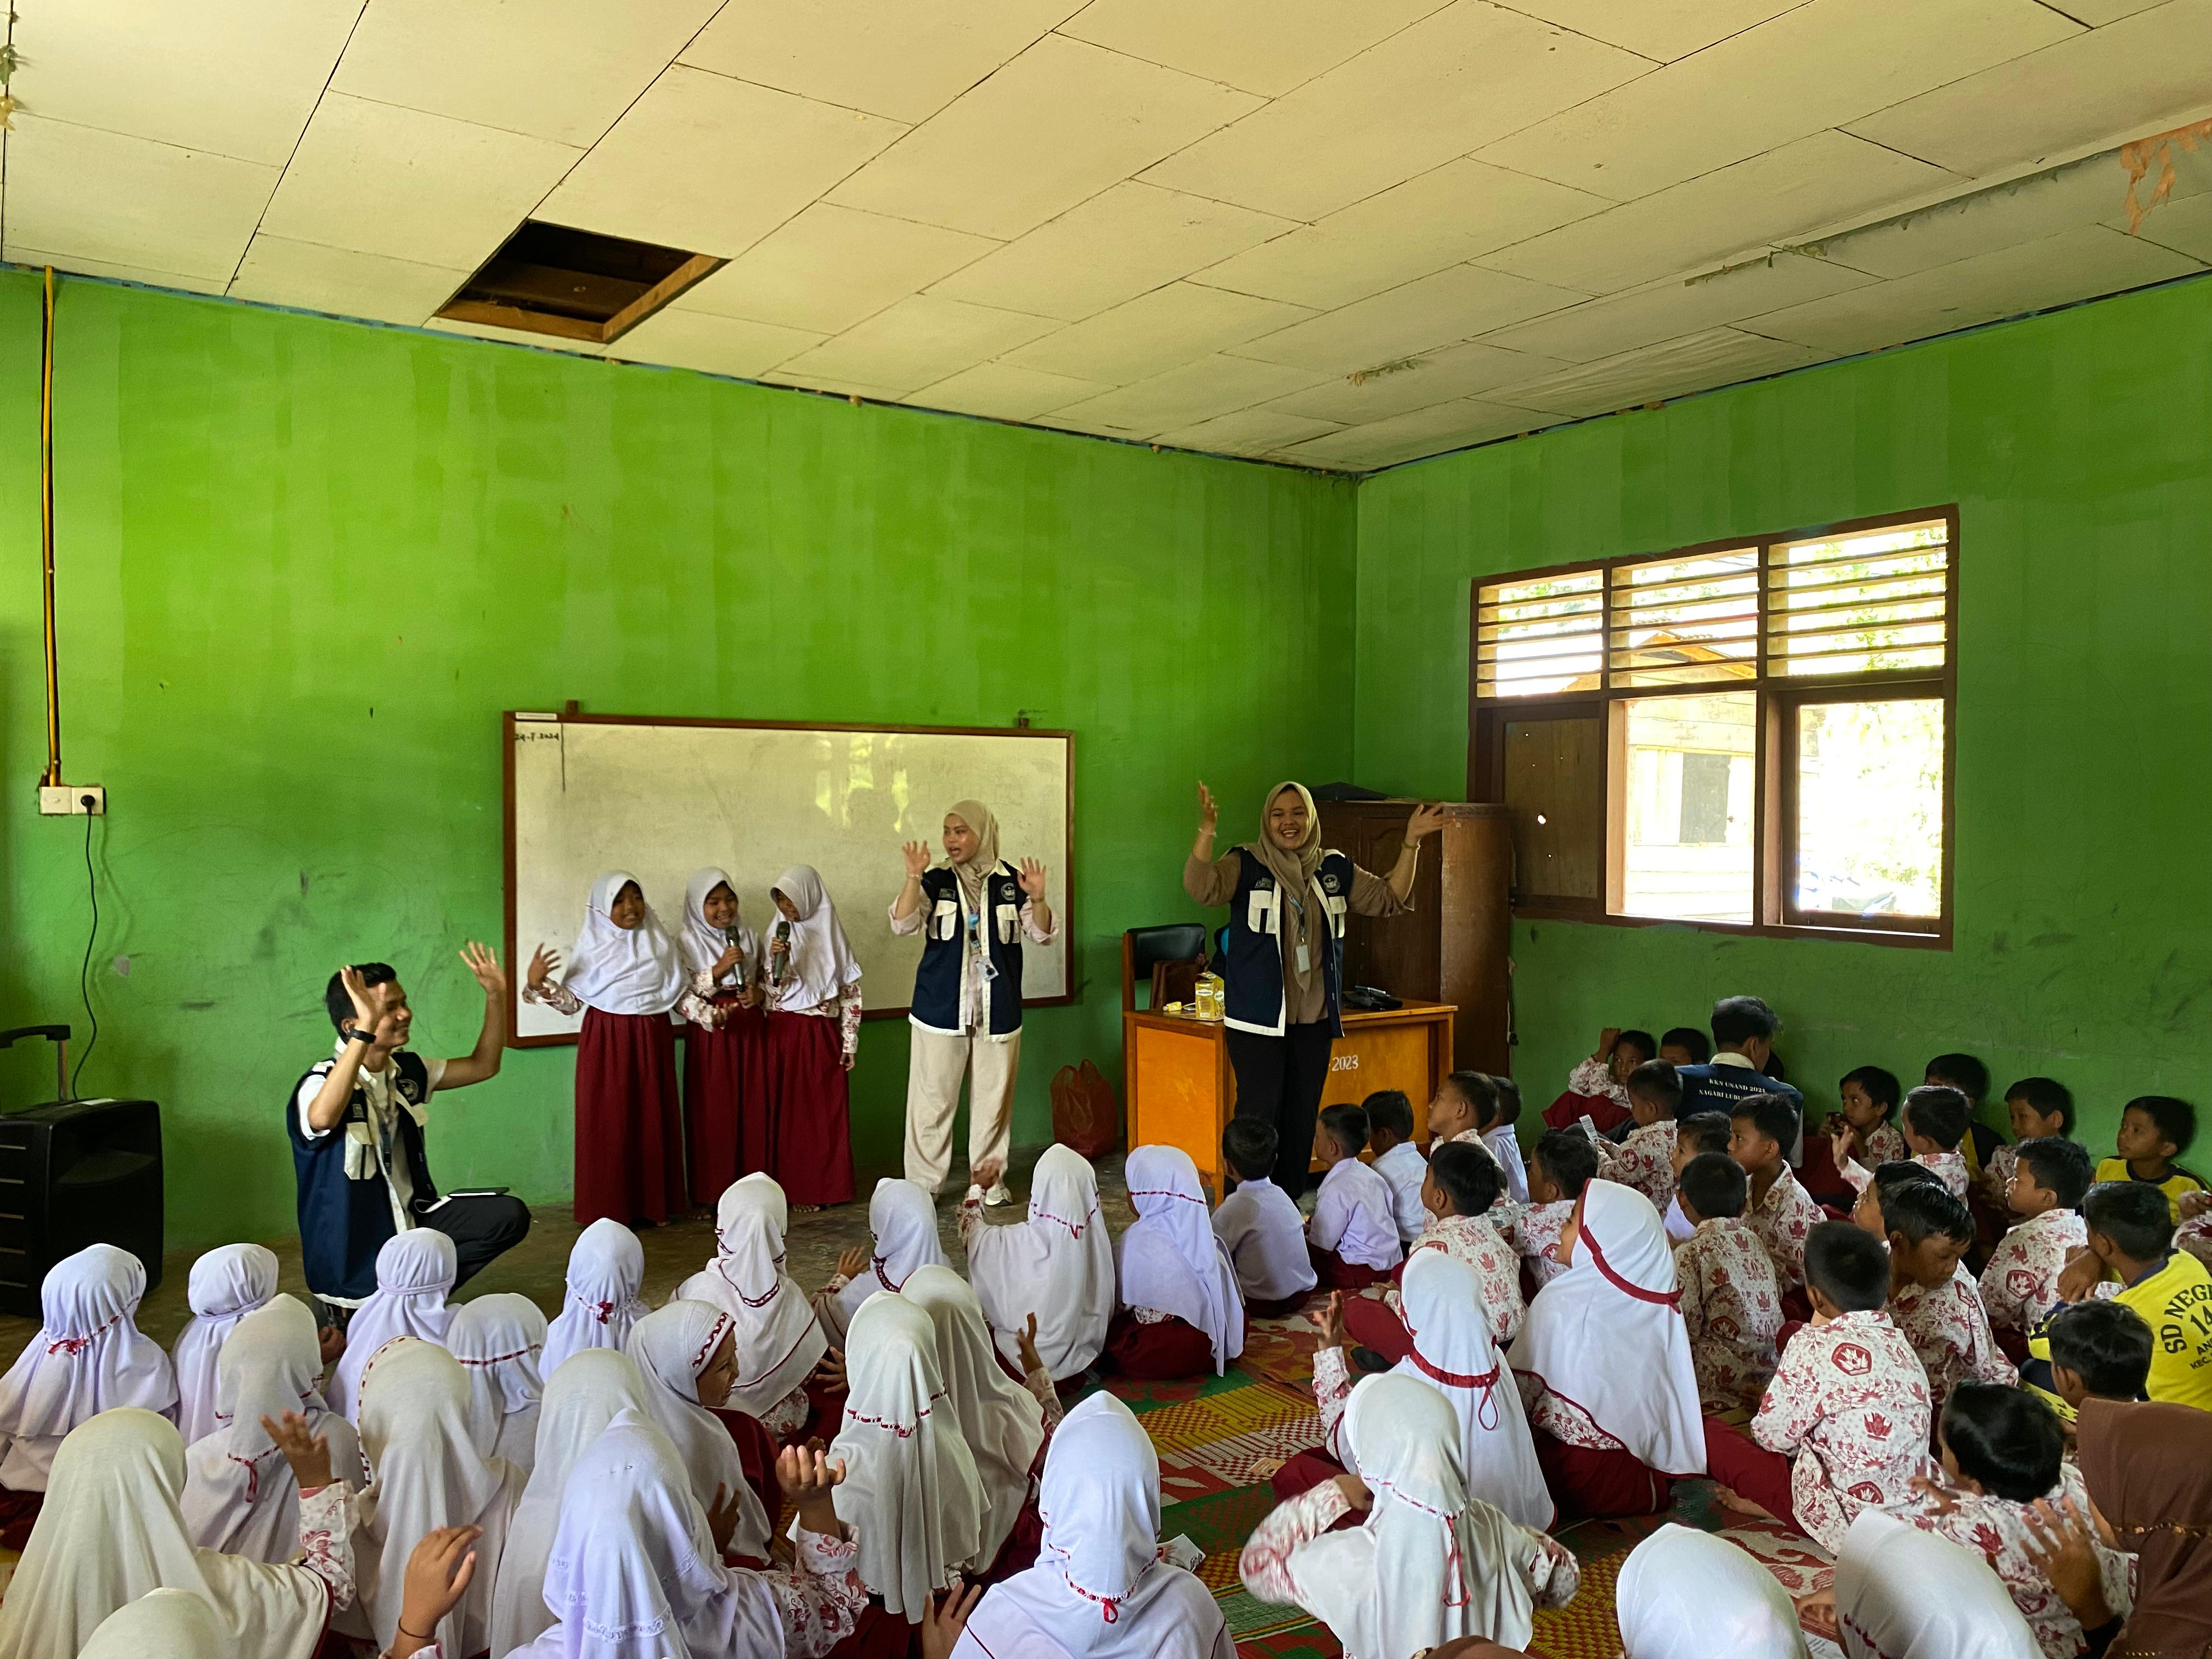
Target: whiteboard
(660, 798)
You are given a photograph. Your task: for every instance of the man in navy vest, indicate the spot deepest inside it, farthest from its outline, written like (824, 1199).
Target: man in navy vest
(1743, 1042)
(355, 1123)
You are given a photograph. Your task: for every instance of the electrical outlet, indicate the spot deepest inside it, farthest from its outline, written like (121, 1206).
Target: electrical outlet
(67, 800)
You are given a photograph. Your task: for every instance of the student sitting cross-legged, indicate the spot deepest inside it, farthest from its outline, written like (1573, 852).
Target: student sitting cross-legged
(1352, 1234)
(2043, 1191)
(2095, 1350)
(1564, 1163)
(1645, 1160)
(2154, 1131)
(1730, 1301)
(2130, 1258)
(1397, 1159)
(1259, 1226)
(1597, 1087)
(1933, 1299)
(1499, 1116)
(1694, 1136)
(2039, 1108)
(1461, 1185)
(1935, 1121)
(1781, 1212)
(1180, 1312)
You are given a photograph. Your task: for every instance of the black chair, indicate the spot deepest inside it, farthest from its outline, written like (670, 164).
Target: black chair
(1143, 949)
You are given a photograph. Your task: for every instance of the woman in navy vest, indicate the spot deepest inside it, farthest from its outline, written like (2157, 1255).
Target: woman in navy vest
(1288, 897)
(973, 911)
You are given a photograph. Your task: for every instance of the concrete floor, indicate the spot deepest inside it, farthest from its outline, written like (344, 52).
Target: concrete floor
(538, 1267)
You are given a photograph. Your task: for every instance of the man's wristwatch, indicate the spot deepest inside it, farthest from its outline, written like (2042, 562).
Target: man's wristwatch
(359, 1036)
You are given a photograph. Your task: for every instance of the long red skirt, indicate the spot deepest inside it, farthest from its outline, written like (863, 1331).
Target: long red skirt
(724, 1100)
(810, 1130)
(756, 1451)
(1369, 1322)
(629, 1131)
(1166, 1352)
(1590, 1485)
(19, 1513)
(1335, 1273)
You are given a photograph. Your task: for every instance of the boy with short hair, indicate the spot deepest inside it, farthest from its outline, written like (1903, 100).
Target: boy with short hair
(2154, 1130)
(1684, 1045)
(1704, 1131)
(1597, 1087)
(1352, 1237)
(2020, 1282)
(1397, 1159)
(1261, 1226)
(1731, 1302)
(1970, 1078)
(1499, 1134)
(1743, 1043)
(1933, 1299)
(1645, 1160)
(1761, 1127)
(1934, 1121)
(2096, 1349)
(1461, 1185)
(2041, 1108)
(2131, 1242)
(1871, 1097)
(1464, 1102)
(1564, 1163)
(1844, 1426)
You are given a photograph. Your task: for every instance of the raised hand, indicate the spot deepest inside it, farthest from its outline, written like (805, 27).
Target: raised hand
(942, 1623)
(917, 859)
(1330, 1321)
(307, 1452)
(364, 1011)
(1209, 815)
(852, 1261)
(1026, 1338)
(1032, 879)
(806, 1473)
(483, 963)
(438, 1575)
(722, 1517)
(543, 965)
(1424, 822)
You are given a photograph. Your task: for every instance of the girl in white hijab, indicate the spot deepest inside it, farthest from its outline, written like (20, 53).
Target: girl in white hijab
(1100, 1588)
(226, 1285)
(903, 1221)
(725, 1103)
(169, 1624)
(414, 1271)
(606, 1271)
(1430, 1565)
(428, 1474)
(87, 1357)
(111, 1532)
(911, 1493)
(1687, 1595)
(624, 977)
(498, 1340)
(778, 1341)
(240, 1496)
(1603, 1362)
(1172, 1266)
(687, 1352)
(813, 992)
(1057, 1265)
(1904, 1593)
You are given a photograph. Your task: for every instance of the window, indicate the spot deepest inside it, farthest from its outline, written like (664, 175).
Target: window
(1754, 735)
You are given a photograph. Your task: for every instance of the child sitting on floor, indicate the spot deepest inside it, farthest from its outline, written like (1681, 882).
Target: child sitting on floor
(1971, 1078)
(2041, 1108)
(1871, 1097)
(1843, 1425)
(1935, 1120)
(1397, 1159)
(1730, 1300)
(1461, 1186)
(1181, 1314)
(2131, 1248)
(1259, 1226)
(2154, 1130)
(1933, 1300)
(1498, 1117)
(1684, 1045)
(1597, 1088)
(1565, 1164)
(2096, 1349)
(1705, 1132)
(1464, 1103)
(1645, 1160)
(1761, 1128)
(1352, 1237)
(2020, 1283)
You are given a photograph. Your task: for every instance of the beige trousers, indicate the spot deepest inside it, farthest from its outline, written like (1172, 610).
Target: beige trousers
(934, 1066)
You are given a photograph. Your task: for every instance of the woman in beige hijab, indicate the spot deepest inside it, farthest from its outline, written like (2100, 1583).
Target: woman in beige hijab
(1288, 897)
(973, 911)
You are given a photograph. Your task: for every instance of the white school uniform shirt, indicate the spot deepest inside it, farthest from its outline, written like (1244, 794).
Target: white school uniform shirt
(1505, 1147)
(1354, 1216)
(384, 1104)
(1404, 1169)
(1266, 1238)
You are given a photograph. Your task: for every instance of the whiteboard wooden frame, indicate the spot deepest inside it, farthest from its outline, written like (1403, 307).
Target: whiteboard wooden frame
(518, 969)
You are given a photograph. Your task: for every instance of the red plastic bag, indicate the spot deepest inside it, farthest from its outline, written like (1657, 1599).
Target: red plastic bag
(1086, 1118)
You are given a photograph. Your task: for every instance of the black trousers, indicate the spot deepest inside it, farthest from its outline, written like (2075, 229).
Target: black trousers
(1280, 1079)
(482, 1229)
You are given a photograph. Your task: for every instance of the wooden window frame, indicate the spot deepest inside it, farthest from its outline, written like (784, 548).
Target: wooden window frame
(1774, 850)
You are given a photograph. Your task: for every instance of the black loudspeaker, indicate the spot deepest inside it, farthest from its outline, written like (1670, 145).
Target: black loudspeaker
(76, 1173)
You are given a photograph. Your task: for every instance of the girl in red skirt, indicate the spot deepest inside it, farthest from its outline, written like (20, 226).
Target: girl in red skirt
(812, 988)
(625, 976)
(724, 1119)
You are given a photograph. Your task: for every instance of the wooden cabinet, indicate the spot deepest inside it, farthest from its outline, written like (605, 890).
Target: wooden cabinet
(1452, 948)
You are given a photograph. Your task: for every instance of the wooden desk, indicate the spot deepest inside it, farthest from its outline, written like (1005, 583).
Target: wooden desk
(1181, 1091)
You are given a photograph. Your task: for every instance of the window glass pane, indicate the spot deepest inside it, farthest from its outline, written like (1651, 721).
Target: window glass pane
(1870, 807)
(1861, 604)
(1533, 638)
(1686, 622)
(1686, 806)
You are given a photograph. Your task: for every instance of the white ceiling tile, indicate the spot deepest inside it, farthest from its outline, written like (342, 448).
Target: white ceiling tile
(903, 58)
(1672, 368)
(313, 277)
(1267, 47)
(1004, 392)
(712, 165)
(1433, 310)
(713, 346)
(380, 180)
(555, 68)
(1193, 393)
(1061, 422)
(2184, 227)
(1604, 327)
(2138, 76)
(829, 267)
(513, 337)
(2077, 265)
(1247, 432)
(84, 194)
(1460, 78)
(1157, 332)
(1456, 373)
(1778, 198)
(1056, 125)
(1122, 242)
(1818, 66)
(1664, 29)
(237, 79)
(2098, 13)
(917, 341)
(1424, 432)
(66, 265)
(1447, 215)
(823, 383)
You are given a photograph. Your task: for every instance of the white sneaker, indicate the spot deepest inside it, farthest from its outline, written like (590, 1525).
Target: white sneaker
(997, 1196)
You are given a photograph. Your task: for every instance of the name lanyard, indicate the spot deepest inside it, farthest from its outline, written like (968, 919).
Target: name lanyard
(1297, 906)
(975, 932)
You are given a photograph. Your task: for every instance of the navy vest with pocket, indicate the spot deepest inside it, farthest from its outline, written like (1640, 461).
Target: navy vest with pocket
(944, 951)
(1253, 987)
(343, 1222)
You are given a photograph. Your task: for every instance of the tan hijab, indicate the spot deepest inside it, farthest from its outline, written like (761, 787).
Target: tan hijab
(1294, 873)
(977, 816)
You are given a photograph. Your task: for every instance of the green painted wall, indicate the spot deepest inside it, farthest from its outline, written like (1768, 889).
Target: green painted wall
(2079, 448)
(306, 563)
